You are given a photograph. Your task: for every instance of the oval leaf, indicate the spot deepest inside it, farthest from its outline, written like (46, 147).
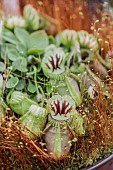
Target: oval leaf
(1, 81)
(20, 85)
(38, 39)
(2, 66)
(22, 35)
(20, 64)
(13, 54)
(21, 49)
(12, 82)
(38, 69)
(5, 48)
(49, 88)
(31, 87)
(51, 39)
(35, 51)
(8, 36)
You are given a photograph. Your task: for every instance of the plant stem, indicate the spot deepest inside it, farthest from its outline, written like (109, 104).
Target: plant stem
(3, 103)
(103, 62)
(35, 79)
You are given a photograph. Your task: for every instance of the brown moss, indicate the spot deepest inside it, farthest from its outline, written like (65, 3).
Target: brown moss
(19, 150)
(28, 154)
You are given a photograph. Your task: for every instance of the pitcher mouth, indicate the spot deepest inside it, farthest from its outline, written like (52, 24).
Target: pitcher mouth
(87, 40)
(61, 107)
(53, 62)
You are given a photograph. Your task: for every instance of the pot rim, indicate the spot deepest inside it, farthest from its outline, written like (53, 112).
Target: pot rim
(100, 163)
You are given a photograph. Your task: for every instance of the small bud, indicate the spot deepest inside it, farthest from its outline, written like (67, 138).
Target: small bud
(39, 97)
(15, 21)
(30, 58)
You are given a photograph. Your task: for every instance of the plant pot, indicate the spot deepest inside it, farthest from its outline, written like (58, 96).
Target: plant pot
(104, 164)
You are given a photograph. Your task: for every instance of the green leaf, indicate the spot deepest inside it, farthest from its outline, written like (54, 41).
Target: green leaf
(38, 39)
(3, 51)
(19, 102)
(13, 54)
(21, 49)
(35, 51)
(38, 69)
(31, 87)
(8, 36)
(20, 64)
(77, 124)
(20, 85)
(49, 88)
(2, 66)
(51, 39)
(1, 81)
(2, 110)
(5, 48)
(35, 120)
(12, 82)
(22, 36)
(73, 89)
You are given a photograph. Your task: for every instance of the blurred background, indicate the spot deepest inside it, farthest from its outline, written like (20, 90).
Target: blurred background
(95, 16)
